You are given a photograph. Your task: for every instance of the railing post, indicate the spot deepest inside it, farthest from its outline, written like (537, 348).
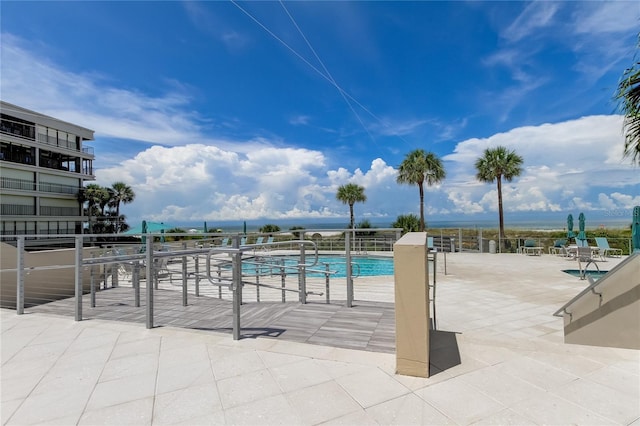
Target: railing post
(78, 277)
(257, 283)
(135, 281)
(302, 276)
(150, 282)
(347, 254)
(236, 287)
(92, 288)
(197, 268)
(20, 278)
(326, 278)
(184, 276)
(283, 279)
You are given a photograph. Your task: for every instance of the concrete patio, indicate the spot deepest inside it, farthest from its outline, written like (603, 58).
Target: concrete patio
(498, 357)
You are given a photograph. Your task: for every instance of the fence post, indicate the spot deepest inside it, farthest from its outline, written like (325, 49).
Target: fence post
(347, 254)
(326, 277)
(302, 276)
(197, 267)
(135, 281)
(236, 287)
(78, 277)
(184, 276)
(150, 282)
(20, 278)
(283, 279)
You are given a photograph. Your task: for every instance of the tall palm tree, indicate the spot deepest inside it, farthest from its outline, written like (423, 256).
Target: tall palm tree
(497, 164)
(93, 194)
(351, 193)
(121, 193)
(628, 96)
(417, 168)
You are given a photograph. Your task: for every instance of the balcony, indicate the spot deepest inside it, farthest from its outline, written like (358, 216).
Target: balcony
(17, 210)
(17, 184)
(59, 211)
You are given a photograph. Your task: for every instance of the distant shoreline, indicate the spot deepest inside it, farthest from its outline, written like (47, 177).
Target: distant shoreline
(520, 226)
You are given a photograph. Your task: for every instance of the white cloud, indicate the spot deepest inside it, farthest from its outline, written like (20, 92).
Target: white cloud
(568, 165)
(535, 16)
(565, 164)
(299, 120)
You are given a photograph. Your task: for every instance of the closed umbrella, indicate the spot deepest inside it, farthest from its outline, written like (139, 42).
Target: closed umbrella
(635, 229)
(244, 228)
(144, 231)
(205, 230)
(581, 235)
(570, 233)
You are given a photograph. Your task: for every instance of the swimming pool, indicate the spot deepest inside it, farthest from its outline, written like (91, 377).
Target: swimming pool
(576, 273)
(364, 266)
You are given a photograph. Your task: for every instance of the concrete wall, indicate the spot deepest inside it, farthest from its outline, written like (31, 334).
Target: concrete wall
(41, 286)
(412, 304)
(613, 321)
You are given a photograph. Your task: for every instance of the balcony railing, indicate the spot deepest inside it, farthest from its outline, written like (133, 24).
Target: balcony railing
(27, 185)
(19, 184)
(17, 210)
(59, 211)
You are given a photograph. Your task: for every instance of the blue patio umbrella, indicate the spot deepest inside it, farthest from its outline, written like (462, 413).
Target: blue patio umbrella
(144, 231)
(205, 230)
(635, 229)
(581, 235)
(244, 228)
(570, 233)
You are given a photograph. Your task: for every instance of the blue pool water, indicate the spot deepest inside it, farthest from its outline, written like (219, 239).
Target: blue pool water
(593, 273)
(364, 266)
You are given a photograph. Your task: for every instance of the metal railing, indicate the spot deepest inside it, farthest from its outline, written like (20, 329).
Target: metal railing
(590, 289)
(226, 268)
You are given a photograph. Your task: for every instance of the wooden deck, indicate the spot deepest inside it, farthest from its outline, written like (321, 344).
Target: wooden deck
(367, 325)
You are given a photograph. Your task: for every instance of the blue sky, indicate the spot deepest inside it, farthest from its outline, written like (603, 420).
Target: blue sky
(230, 111)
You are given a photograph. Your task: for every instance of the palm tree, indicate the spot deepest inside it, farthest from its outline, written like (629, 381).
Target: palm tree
(417, 168)
(628, 96)
(497, 164)
(351, 193)
(120, 193)
(93, 194)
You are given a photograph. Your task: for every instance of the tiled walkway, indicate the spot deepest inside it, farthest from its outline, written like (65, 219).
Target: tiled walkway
(508, 365)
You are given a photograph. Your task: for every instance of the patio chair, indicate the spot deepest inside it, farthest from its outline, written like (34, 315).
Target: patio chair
(531, 248)
(585, 254)
(605, 249)
(559, 247)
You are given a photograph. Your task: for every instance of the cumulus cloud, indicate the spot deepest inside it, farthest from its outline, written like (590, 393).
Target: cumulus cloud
(565, 165)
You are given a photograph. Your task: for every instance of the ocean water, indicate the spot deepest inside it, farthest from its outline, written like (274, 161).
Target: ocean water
(540, 222)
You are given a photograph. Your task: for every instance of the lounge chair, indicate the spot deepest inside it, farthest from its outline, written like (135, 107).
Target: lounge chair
(559, 247)
(531, 248)
(605, 250)
(224, 242)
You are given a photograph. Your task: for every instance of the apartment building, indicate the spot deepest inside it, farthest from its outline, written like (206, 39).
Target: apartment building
(43, 166)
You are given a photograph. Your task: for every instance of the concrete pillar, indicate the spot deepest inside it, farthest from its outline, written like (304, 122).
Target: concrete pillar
(412, 304)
